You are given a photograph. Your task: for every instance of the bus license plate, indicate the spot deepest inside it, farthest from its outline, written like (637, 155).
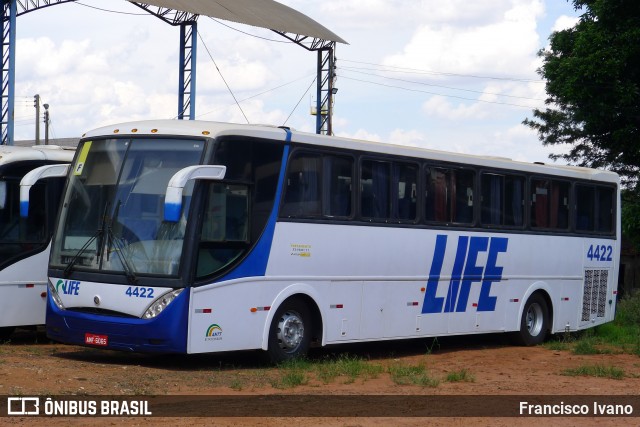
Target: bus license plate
(94, 339)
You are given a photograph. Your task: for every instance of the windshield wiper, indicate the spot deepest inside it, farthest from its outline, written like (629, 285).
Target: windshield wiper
(112, 239)
(96, 236)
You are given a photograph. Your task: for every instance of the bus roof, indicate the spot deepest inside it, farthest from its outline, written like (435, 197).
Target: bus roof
(197, 128)
(54, 153)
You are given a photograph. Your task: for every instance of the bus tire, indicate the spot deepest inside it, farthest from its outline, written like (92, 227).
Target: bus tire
(290, 331)
(534, 323)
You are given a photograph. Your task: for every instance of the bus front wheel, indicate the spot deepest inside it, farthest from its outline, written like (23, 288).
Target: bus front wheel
(290, 331)
(534, 323)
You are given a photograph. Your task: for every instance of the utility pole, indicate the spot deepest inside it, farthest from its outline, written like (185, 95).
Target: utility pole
(46, 124)
(36, 103)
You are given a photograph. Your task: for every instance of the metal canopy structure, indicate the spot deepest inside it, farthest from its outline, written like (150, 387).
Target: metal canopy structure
(258, 13)
(269, 14)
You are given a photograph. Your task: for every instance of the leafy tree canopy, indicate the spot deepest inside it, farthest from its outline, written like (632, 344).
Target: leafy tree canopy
(592, 74)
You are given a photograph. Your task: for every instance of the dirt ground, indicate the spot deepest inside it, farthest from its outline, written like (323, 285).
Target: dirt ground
(31, 365)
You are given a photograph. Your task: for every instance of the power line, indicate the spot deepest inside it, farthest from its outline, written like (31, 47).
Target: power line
(223, 79)
(300, 100)
(439, 94)
(262, 93)
(440, 73)
(441, 86)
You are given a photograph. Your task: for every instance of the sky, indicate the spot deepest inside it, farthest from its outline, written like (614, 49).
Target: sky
(453, 75)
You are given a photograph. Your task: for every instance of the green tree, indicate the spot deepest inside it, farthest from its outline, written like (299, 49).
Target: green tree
(592, 74)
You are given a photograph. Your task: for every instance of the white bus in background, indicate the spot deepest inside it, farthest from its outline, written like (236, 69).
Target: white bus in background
(25, 242)
(192, 237)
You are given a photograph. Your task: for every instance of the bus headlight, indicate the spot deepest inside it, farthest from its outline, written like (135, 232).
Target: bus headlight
(160, 304)
(54, 296)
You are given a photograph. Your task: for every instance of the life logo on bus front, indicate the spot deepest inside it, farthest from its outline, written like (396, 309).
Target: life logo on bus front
(465, 271)
(68, 287)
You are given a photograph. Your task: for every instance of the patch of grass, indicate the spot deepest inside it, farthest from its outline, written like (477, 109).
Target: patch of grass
(292, 373)
(415, 375)
(599, 371)
(346, 366)
(462, 375)
(557, 345)
(585, 346)
(290, 379)
(237, 383)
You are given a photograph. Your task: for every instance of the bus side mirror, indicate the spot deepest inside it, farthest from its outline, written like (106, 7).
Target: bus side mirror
(173, 197)
(29, 180)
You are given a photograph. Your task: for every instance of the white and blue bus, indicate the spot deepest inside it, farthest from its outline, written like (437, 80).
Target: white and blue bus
(192, 237)
(25, 242)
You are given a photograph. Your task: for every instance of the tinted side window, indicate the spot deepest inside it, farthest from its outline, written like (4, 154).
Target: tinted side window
(502, 199)
(375, 178)
(604, 209)
(585, 197)
(549, 204)
(594, 208)
(303, 186)
(450, 195)
(338, 186)
(404, 192)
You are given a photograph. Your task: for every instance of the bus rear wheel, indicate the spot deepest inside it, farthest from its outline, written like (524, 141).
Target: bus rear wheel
(534, 323)
(290, 331)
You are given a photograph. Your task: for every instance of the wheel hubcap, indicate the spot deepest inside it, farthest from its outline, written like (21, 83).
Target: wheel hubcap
(534, 320)
(290, 331)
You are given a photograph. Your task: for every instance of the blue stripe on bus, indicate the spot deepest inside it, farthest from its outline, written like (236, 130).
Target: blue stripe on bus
(255, 265)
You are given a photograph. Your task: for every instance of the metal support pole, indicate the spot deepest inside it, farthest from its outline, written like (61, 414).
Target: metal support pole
(46, 124)
(187, 72)
(325, 90)
(8, 72)
(36, 103)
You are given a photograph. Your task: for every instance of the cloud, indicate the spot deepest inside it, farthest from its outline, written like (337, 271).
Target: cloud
(564, 22)
(507, 45)
(441, 107)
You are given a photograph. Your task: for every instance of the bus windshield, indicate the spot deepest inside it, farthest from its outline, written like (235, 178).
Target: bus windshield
(113, 213)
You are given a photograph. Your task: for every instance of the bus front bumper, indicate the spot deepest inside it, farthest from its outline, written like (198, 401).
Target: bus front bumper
(166, 333)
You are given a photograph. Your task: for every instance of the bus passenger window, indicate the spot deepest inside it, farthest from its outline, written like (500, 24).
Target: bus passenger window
(549, 204)
(404, 192)
(337, 186)
(492, 199)
(604, 210)
(463, 195)
(514, 201)
(540, 203)
(437, 196)
(302, 187)
(502, 200)
(585, 195)
(374, 189)
(559, 205)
